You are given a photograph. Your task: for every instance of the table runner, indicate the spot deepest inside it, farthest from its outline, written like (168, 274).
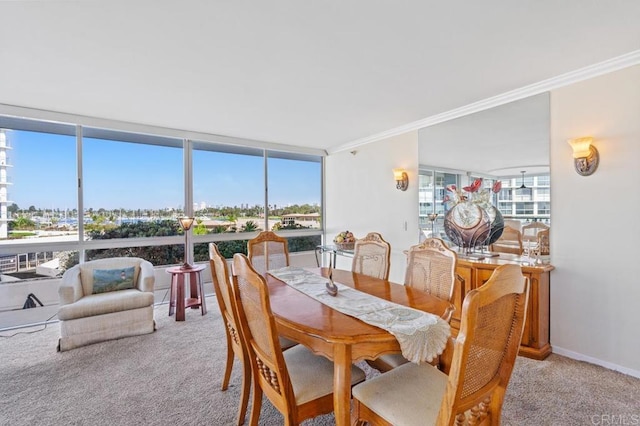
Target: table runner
(422, 336)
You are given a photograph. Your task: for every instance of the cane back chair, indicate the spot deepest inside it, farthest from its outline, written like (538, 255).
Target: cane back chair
(431, 267)
(371, 256)
(484, 353)
(297, 382)
(228, 311)
(268, 251)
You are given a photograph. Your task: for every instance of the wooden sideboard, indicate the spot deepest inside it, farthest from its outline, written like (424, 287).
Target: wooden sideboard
(474, 273)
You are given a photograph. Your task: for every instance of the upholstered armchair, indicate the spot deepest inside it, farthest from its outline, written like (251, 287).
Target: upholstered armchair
(105, 299)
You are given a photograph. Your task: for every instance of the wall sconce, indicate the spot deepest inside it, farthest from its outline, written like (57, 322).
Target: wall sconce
(185, 224)
(585, 155)
(402, 179)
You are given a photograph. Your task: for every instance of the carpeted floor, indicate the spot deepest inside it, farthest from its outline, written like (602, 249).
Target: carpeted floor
(172, 377)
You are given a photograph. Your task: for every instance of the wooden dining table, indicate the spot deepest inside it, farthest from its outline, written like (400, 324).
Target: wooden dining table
(340, 337)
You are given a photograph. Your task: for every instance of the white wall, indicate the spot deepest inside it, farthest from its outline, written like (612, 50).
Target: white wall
(595, 237)
(361, 196)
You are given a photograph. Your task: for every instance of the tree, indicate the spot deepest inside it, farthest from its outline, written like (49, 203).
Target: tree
(200, 229)
(249, 226)
(23, 223)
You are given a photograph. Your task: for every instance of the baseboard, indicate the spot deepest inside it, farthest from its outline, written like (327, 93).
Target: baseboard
(581, 357)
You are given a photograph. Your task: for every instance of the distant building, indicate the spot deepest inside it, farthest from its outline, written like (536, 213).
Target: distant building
(302, 219)
(4, 182)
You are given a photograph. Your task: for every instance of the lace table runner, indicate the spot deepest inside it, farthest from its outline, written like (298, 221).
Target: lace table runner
(422, 336)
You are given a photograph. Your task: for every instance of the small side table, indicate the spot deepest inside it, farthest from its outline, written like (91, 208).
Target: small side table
(178, 303)
(333, 251)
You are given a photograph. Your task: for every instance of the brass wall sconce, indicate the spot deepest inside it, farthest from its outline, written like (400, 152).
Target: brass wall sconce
(402, 179)
(185, 224)
(585, 155)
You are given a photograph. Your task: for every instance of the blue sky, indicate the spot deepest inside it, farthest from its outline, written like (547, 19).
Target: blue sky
(131, 176)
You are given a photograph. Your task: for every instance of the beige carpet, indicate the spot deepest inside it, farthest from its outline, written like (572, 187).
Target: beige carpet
(172, 377)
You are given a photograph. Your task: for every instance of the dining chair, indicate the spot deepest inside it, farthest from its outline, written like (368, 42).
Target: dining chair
(530, 231)
(483, 357)
(297, 382)
(228, 310)
(509, 242)
(431, 267)
(371, 256)
(268, 251)
(222, 286)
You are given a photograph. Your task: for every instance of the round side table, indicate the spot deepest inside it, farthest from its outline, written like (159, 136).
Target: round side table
(178, 303)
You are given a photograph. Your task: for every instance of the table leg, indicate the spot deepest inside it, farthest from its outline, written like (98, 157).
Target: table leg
(342, 383)
(193, 287)
(180, 298)
(203, 306)
(172, 294)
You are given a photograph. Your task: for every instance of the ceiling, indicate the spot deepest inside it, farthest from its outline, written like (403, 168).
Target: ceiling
(316, 74)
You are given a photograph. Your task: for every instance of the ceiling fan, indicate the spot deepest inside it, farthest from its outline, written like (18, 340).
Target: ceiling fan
(523, 186)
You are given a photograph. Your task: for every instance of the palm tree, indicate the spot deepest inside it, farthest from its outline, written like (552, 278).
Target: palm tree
(249, 226)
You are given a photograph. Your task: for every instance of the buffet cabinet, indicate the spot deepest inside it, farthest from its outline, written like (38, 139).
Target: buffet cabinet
(474, 273)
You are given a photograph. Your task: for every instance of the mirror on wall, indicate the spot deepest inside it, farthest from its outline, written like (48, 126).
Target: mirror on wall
(508, 143)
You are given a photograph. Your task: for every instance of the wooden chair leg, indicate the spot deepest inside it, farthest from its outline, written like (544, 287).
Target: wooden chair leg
(229, 365)
(246, 388)
(355, 414)
(256, 403)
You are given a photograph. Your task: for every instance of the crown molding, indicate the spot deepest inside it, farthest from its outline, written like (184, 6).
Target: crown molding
(591, 71)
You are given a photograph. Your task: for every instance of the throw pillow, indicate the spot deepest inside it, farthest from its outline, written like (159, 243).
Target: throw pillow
(105, 280)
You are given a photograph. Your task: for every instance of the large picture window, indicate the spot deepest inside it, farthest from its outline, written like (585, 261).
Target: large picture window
(38, 182)
(70, 193)
(130, 179)
(228, 188)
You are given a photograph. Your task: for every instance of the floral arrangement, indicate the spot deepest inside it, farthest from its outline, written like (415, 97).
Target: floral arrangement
(481, 197)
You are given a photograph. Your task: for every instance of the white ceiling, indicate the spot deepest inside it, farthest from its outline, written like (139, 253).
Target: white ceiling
(321, 74)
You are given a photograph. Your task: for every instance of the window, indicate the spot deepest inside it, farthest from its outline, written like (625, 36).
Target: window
(129, 179)
(505, 195)
(544, 180)
(123, 195)
(524, 194)
(228, 188)
(38, 182)
(505, 208)
(426, 197)
(524, 208)
(544, 208)
(431, 192)
(294, 191)
(543, 194)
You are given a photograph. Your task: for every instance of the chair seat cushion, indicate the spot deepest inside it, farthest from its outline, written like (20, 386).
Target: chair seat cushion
(312, 375)
(105, 303)
(408, 395)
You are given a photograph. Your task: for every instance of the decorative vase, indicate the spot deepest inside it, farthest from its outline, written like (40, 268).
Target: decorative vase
(497, 225)
(468, 225)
